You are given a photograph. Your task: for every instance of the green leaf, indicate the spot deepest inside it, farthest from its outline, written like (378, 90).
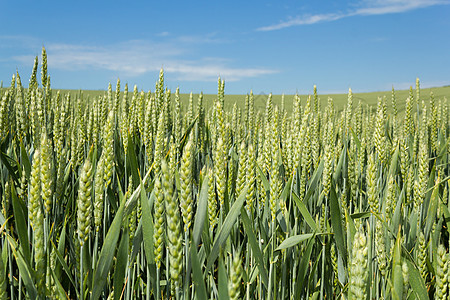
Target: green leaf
(397, 213)
(25, 270)
(131, 202)
(121, 264)
(303, 268)
(2, 220)
(136, 242)
(397, 274)
(313, 185)
(443, 149)
(147, 232)
(21, 224)
(263, 177)
(432, 210)
(336, 223)
(185, 136)
(394, 160)
(223, 282)
(61, 247)
(11, 165)
(338, 169)
(416, 281)
(106, 256)
(197, 275)
(25, 160)
(446, 213)
(286, 191)
(59, 288)
(355, 138)
(200, 215)
(131, 156)
(361, 215)
(4, 257)
(64, 266)
(225, 230)
(305, 213)
(351, 231)
(294, 240)
(255, 247)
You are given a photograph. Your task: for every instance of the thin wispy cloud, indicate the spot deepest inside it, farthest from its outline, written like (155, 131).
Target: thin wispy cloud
(18, 42)
(212, 38)
(162, 34)
(138, 57)
(364, 8)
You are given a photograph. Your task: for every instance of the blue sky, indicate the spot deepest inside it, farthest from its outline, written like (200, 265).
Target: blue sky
(267, 46)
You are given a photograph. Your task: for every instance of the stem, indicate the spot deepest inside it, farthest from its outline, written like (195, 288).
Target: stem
(269, 294)
(157, 284)
(94, 254)
(247, 292)
(105, 214)
(186, 244)
(260, 283)
(177, 292)
(323, 253)
(371, 244)
(20, 287)
(81, 272)
(148, 284)
(323, 272)
(167, 273)
(269, 289)
(11, 276)
(283, 279)
(129, 282)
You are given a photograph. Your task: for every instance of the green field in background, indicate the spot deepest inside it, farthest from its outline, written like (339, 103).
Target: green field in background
(340, 100)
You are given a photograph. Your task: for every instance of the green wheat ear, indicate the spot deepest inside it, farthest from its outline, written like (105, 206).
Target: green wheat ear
(4, 114)
(34, 195)
(212, 201)
(108, 149)
(84, 202)
(241, 172)
(174, 237)
(441, 273)
(220, 167)
(99, 183)
(251, 178)
(160, 221)
(334, 264)
(234, 284)
(380, 247)
(47, 171)
(186, 196)
(372, 192)
(358, 267)
(36, 216)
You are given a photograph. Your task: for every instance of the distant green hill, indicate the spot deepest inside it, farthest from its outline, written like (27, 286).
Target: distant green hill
(340, 100)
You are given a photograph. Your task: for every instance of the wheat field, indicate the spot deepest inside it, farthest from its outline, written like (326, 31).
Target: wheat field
(139, 195)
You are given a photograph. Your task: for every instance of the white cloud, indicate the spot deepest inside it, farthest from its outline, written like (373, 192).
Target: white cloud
(364, 8)
(137, 57)
(380, 7)
(210, 72)
(164, 33)
(304, 20)
(212, 38)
